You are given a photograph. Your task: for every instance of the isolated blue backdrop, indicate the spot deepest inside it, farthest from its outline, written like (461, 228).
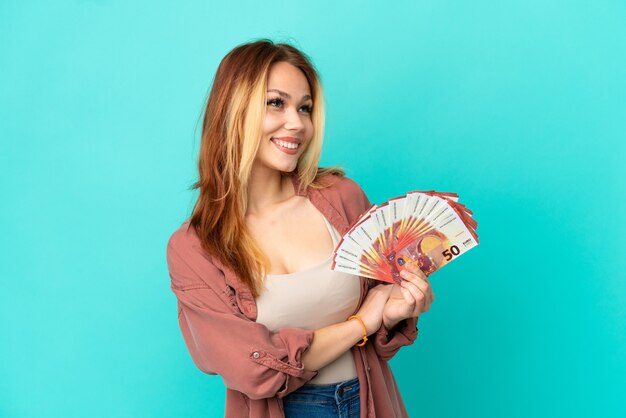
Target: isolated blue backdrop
(519, 106)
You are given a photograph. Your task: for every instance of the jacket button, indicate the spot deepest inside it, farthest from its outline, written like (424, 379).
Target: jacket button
(256, 354)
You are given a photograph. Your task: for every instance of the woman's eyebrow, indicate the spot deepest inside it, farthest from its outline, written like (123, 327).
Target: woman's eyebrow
(287, 95)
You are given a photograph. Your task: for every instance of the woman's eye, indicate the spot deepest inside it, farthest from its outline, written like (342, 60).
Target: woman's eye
(280, 102)
(276, 101)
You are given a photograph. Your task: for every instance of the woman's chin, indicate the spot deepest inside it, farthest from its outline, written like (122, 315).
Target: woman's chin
(286, 168)
(286, 164)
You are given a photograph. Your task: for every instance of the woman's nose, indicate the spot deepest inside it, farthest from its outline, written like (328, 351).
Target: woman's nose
(293, 120)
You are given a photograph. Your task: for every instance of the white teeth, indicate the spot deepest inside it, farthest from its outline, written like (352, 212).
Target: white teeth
(286, 144)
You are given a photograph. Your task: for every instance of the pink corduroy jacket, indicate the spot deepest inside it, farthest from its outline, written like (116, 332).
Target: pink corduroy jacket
(217, 317)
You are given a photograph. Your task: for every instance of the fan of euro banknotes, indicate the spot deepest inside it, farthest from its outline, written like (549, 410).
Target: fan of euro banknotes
(425, 228)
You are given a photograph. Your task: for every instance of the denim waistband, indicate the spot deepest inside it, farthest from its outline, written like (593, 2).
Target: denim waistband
(339, 399)
(337, 391)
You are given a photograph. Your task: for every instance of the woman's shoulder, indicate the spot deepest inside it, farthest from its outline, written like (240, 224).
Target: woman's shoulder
(183, 238)
(340, 184)
(344, 190)
(189, 264)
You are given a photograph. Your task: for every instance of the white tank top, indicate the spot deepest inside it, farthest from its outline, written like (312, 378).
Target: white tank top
(312, 298)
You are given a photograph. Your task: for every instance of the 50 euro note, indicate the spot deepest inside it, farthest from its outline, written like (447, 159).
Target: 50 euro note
(426, 229)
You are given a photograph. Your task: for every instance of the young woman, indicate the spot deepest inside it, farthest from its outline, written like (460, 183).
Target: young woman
(257, 301)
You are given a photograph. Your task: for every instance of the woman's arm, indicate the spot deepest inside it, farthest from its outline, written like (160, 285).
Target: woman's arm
(332, 341)
(222, 340)
(246, 354)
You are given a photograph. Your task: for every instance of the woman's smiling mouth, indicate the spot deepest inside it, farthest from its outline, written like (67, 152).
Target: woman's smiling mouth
(288, 145)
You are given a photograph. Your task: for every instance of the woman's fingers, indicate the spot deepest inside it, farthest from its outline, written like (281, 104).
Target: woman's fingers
(382, 289)
(408, 296)
(421, 284)
(421, 301)
(416, 270)
(418, 278)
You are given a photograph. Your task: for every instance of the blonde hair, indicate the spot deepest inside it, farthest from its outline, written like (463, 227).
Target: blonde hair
(231, 136)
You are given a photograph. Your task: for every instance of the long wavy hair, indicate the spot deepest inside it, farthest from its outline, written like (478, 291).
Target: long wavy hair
(231, 135)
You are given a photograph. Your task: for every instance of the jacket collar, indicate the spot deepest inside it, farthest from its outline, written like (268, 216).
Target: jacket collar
(323, 200)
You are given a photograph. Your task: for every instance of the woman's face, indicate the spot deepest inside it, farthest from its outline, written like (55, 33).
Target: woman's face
(287, 125)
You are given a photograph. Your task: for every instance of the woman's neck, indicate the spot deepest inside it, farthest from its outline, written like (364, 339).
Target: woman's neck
(267, 191)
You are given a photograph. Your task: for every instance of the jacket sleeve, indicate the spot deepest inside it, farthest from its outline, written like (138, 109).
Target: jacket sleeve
(222, 340)
(388, 342)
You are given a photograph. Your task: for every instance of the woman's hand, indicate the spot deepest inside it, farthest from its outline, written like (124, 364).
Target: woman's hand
(371, 311)
(409, 299)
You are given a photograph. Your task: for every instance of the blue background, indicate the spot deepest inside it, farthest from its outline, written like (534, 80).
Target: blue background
(519, 106)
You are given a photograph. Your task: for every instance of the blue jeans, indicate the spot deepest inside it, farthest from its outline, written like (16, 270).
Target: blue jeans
(337, 400)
